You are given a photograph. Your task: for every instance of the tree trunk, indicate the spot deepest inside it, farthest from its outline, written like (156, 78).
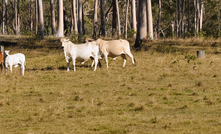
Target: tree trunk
(65, 22)
(182, 21)
(188, 29)
(102, 18)
(18, 18)
(196, 22)
(3, 18)
(53, 25)
(159, 19)
(83, 29)
(36, 17)
(198, 16)
(200, 54)
(172, 17)
(118, 18)
(134, 21)
(74, 20)
(41, 18)
(178, 19)
(95, 20)
(31, 13)
(80, 19)
(60, 31)
(218, 17)
(142, 24)
(201, 15)
(114, 20)
(126, 19)
(16, 14)
(172, 28)
(150, 19)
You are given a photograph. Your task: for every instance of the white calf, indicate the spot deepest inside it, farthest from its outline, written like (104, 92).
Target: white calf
(15, 60)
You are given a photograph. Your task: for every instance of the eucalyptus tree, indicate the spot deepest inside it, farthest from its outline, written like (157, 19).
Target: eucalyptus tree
(4, 16)
(80, 19)
(150, 19)
(133, 15)
(60, 31)
(126, 19)
(16, 26)
(142, 24)
(41, 18)
(31, 15)
(73, 17)
(118, 18)
(53, 25)
(103, 31)
(95, 20)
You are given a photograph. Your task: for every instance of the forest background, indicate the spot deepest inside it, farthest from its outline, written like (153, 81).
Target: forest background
(170, 19)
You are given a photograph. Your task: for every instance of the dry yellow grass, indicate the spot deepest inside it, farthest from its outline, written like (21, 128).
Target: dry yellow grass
(164, 93)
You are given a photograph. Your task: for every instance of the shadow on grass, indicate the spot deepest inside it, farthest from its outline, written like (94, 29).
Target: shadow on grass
(59, 68)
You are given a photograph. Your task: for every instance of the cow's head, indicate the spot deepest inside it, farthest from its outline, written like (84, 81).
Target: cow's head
(63, 42)
(98, 41)
(7, 52)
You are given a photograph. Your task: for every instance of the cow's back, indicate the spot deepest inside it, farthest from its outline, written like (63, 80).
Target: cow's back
(16, 58)
(115, 46)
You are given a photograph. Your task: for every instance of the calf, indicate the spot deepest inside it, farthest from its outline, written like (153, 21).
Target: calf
(80, 52)
(15, 60)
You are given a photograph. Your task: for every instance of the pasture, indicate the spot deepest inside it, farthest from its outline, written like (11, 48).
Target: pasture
(169, 91)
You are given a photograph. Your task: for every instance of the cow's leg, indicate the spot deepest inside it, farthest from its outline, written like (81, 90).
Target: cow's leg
(96, 61)
(73, 59)
(22, 69)
(92, 64)
(131, 56)
(10, 66)
(68, 62)
(68, 66)
(99, 63)
(125, 59)
(92, 61)
(6, 69)
(106, 59)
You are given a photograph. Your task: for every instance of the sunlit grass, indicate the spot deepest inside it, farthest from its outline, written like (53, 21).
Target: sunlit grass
(164, 93)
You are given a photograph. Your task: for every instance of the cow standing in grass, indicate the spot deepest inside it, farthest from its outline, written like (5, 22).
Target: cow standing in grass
(14, 60)
(115, 48)
(80, 52)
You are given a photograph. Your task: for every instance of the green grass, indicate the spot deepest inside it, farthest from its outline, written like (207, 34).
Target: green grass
(164, 93)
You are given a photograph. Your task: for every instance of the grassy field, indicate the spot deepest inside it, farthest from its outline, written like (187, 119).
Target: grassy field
(169, 91)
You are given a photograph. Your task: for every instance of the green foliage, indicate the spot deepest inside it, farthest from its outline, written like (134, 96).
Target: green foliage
(201, 34)
(211, 18)
(190, 57)
(131, 33)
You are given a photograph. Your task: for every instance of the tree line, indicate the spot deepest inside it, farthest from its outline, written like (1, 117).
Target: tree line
(140, 19)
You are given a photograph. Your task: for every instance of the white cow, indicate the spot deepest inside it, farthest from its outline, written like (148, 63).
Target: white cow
(80, 52)
(15, 60)
(115, 48)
